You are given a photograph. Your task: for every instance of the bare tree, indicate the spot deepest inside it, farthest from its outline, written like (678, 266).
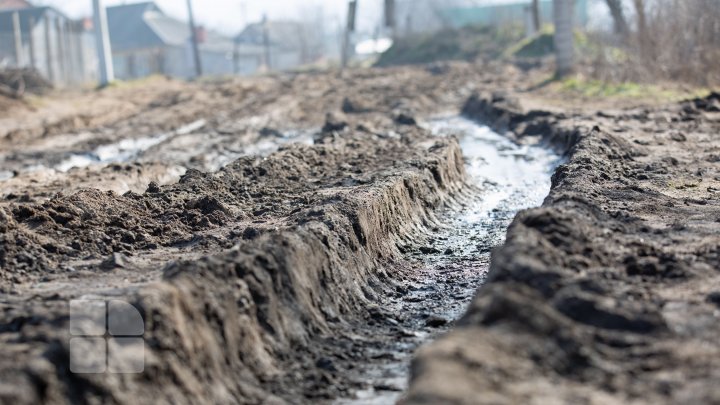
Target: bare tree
(536, 14)
(618, 15)
(563, 11)
(642, 26)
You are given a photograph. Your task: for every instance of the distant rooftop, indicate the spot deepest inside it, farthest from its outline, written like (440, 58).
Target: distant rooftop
(26, 15)
(283, 34)
(145, 25)
(14, 4)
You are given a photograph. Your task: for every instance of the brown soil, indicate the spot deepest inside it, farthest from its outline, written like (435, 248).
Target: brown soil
(260, 277)
(243, 275)
(608, 293)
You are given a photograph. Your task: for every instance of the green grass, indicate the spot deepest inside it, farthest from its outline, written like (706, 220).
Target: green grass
(542, 44)
(629, 90)
(467, 43)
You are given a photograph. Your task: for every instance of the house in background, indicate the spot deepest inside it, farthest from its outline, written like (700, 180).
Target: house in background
(146, 41)
(14, 4)
(60, 48)
(289, 45)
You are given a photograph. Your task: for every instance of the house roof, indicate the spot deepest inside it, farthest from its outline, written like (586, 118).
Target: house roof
(14, 4)
(25, 14)
(128, 29)
(282, 34)
(145, 25)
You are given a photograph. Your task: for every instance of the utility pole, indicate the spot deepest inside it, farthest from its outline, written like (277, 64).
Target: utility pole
(390, 17)
(563, 11)
(266, 42)
(31, 43)
(48, 49)
(62, 52)
(102, 38)
(195, 40)
(349, 29)
(17, 34)
(535, 8)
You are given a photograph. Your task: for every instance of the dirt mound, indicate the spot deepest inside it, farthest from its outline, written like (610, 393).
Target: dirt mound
(604, 295)
(313, 229)
(17, 82)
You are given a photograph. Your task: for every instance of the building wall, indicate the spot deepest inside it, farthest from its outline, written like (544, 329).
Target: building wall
(247, 65)
(54, 45)
(217, 63)
(174, 61)
(285, 59)
(139, 63)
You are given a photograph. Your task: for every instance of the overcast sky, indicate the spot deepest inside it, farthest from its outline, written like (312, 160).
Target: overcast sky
(230, 16)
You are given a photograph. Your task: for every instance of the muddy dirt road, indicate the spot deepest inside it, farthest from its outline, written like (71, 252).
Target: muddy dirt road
(294, 239)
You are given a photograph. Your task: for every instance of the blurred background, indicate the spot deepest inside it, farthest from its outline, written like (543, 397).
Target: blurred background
(55, 43)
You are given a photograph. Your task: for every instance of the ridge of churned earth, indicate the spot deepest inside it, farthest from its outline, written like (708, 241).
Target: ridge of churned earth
(251, 277)
(608, 293)
(308, 237)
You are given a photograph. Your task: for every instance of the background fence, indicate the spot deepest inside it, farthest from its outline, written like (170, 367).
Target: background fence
(62, 50)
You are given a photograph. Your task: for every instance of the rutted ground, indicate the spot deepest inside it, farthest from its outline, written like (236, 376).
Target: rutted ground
(258, 281)
(248, 277)
(609, 292)
(313, 230)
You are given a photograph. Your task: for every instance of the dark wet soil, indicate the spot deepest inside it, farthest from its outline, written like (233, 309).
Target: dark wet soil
(603, 295)
(448, 268)
(310, 273)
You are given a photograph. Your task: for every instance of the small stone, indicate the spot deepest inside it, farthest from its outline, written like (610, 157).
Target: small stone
(386, 387)
(449, 251)
(405, 119)
(376, 313)
(153, 187)
(678, 137)
(271, 132)
(250, 233)
(713, 298)
(326, 364)
(115, 261)
(435, 321)
(334, 123)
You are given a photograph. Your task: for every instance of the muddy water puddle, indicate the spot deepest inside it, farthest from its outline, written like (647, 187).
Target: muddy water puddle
(124, 150)
(447, 272)
(183, 144)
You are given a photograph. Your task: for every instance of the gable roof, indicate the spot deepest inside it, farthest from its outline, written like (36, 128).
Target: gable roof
(14, 4)
(128, 29)
(145, 25)
(282, 34)
(26, 14)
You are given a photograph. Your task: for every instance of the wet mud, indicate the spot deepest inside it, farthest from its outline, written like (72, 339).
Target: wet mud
(294, 239)
(605, 294)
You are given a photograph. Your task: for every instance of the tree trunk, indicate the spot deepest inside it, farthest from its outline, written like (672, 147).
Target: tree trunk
(536, 15)
(643, 37)
(563, 12)
(621, 25)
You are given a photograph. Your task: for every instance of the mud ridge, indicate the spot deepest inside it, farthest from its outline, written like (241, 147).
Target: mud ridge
(226, 327)
(604, 294)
